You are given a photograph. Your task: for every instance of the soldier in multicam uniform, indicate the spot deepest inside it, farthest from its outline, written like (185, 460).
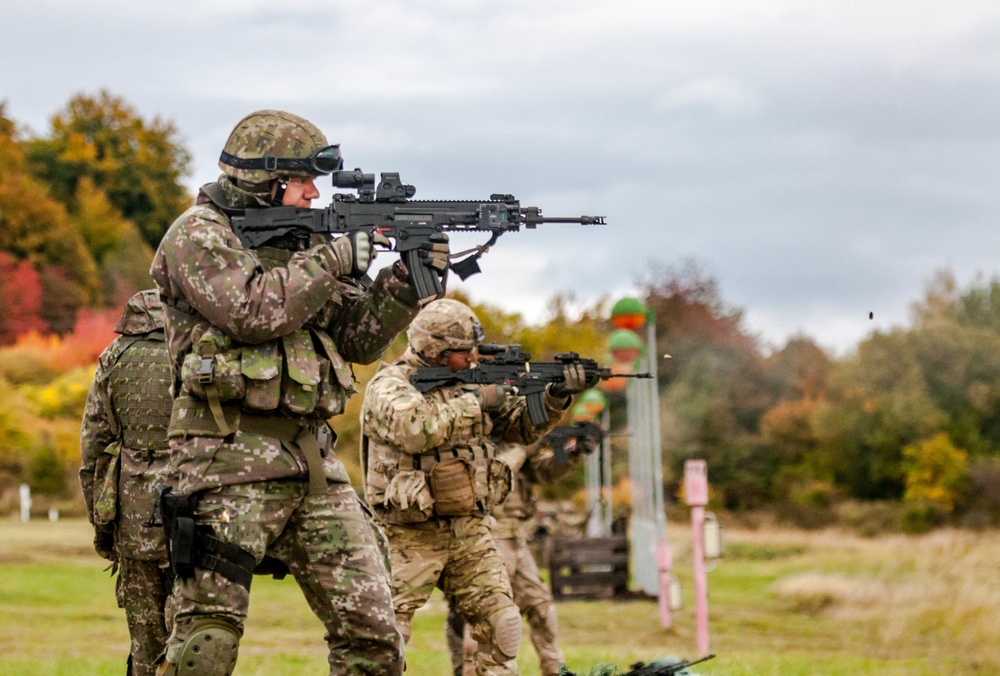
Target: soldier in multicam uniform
(123, 443)
(260, 342)
(432, 475)
(514, 529)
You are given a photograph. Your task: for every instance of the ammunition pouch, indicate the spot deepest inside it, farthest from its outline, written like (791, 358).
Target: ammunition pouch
(411, 488)
(451, 482)
(300, 374)
(190, 547)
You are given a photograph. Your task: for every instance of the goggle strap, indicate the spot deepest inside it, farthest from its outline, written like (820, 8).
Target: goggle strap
(270, 162)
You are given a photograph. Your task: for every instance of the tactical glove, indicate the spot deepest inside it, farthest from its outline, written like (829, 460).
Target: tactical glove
(434, 253)
(104, 542)
(365, 251)
(493, 397)
(574, 381)
(352, 254)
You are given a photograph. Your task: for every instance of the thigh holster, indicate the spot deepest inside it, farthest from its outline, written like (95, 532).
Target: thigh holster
(190, 546)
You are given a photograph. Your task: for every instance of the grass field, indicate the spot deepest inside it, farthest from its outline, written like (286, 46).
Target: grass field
(781, 602)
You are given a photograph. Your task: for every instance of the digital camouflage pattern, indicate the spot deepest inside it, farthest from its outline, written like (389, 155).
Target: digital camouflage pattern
(124, 455)
(246, 306)
(337, 561)
(279, 328)
(458, 553)
(275, 133)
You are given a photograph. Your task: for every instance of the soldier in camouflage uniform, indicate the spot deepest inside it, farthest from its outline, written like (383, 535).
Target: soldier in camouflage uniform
(260, 342)
(431, 475)
(123, 443)
(514, 529)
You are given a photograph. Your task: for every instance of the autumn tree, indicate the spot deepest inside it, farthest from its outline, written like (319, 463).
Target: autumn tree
(137, 163)
(35, 228)
(715, 388)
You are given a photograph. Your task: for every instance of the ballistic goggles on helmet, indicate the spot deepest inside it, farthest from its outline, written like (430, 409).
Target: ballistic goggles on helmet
(324, 161)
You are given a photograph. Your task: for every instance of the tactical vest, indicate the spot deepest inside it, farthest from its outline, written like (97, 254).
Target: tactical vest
(140, 392)
(139, 412)
(409, 489)
(299, 374)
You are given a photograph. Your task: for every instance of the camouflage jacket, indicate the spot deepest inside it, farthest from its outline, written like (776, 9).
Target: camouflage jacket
(406, 433)
(123, 436)
(278, 329)
(514, 516)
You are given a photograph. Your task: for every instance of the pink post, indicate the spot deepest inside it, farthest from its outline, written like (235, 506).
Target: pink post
(696, 491)
(664, 561)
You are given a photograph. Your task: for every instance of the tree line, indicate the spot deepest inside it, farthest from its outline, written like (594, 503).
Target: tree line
(903, 432)
(82, 208)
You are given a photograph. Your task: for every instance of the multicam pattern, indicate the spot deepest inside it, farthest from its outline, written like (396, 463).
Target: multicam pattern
(444, 324)
(460, 557)
(397, 420)
(512, 532)
(457, 554)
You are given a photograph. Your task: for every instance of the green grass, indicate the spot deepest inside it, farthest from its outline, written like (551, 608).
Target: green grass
(782, 602)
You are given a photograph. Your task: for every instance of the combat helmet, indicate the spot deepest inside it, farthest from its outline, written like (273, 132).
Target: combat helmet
(444, 325)
(272, 144)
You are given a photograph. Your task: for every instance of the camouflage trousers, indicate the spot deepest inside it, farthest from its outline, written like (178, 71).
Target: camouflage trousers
(533, 598)
(142, 590)
(459, 556)
(330, 545)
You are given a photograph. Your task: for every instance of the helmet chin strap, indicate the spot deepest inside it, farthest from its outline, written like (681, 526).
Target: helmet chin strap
(281, 184)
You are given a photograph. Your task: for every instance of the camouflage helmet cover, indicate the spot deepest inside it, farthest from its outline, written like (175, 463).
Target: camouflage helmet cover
(143, 313)
(443, 325)
(271, 133)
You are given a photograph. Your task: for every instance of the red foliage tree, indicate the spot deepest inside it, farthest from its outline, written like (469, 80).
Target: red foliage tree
(20, 300)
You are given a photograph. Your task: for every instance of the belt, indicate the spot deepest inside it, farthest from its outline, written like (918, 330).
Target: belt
(426, 461)
(312, 437)
(304, 435)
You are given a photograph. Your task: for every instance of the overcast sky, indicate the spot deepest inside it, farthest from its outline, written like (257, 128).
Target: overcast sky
(820, 159)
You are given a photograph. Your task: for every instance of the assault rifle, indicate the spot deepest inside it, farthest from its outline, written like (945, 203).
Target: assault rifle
(510, 365)
(389, 211)
(581, 432)
(670, 666)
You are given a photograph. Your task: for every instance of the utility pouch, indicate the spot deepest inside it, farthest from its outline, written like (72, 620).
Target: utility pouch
(300, 382)
(106, 491)
(210, 371)
(261, 365)
(452, 487)
(501, 482)
(336, 382)
(177, 511)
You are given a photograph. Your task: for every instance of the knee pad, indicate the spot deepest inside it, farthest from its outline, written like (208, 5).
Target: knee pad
(210, 650)
(505, 632)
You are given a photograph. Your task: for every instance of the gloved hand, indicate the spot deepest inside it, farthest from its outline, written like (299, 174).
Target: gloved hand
(493, 397)
(434, 253)
(574, 381)
(104, 542)
(365, 251)
(355, 252)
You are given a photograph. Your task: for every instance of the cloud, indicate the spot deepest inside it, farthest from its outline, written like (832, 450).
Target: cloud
(822, 158)
(714, 95)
